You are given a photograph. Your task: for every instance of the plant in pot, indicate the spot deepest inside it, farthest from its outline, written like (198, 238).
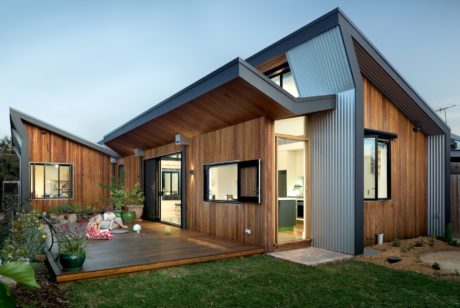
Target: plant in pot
(136, 201)
(72, 242)
(119, 197)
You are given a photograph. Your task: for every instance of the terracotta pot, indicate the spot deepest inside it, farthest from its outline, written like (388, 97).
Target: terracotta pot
(138, 208)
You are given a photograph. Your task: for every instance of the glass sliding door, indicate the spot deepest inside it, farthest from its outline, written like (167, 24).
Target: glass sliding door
(170, 189)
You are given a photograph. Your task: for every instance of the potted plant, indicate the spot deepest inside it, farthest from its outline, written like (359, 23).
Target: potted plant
(119, 197)
(72, 242)
(136, 201)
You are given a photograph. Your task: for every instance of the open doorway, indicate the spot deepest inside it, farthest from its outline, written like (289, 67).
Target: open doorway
(291, 180)
(163, 200)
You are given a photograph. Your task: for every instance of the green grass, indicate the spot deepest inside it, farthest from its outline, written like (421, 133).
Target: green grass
(265, 282)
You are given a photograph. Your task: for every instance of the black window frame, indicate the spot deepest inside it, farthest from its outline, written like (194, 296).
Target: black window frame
(32, 180)
(280, 71)
(171, 196)
(380, 137)
(240, 165)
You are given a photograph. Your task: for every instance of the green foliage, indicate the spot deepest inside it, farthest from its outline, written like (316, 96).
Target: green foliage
(436, 266)
(21, 272)
(397, 242)
(418, 244)
(9, 161)
(62, 209)
(262, 281)
(26, 238)
(118, 195)
(136, 195)
(71, 239)
(121, 196)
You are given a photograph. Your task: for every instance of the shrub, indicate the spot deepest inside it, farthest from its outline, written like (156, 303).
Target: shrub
(397, 242)
(71, 239)
(448, 235)
(436, 266)
(25, 240)
(62, 209)
(418, 244)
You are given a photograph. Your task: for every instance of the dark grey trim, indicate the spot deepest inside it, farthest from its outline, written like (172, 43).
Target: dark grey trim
(359, 139)
(380, 133)
(184, 174)
(22, 146)
(27, 118)
(330, 20)
(315, 28)
(319, 103)
(238, 68)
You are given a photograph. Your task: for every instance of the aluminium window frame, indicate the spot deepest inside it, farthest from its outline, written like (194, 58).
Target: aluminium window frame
(382, 137)
(44, 164)
(240, 164)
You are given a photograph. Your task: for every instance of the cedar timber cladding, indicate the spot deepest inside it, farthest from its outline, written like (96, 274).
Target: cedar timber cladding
(405, 215)
(246, 141)
(90, 167)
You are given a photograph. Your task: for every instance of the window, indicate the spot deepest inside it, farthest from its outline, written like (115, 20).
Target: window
(50, 181)
(283, 77)
(377, 165)
(232, 182)
(170, 184)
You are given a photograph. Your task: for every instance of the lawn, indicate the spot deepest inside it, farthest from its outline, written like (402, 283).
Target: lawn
(265, 282)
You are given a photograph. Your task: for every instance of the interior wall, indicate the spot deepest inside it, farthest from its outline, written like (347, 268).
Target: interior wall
(90, 167)
(246, 141)
(405, 214)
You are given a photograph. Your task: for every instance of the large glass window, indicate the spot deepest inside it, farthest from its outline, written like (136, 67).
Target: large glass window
(232, 182)
(376, 168)
(50, 181)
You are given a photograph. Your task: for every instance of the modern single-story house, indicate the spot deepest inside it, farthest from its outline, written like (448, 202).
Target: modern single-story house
(316, 139)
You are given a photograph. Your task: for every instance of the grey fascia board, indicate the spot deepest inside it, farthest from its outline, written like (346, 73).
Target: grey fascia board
(297, 106)
(314, 28)
(237, 68)
(357, 35)
(27, 118)
(455, 153)
(455, 137)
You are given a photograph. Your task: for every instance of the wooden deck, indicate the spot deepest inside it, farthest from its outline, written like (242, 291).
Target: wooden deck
(152, 249)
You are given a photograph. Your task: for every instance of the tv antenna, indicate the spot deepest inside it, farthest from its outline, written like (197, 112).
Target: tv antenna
(444, 108)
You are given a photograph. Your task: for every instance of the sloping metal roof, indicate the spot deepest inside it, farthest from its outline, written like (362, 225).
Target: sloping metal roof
(236, 69)
(372, 63)
(32, 120)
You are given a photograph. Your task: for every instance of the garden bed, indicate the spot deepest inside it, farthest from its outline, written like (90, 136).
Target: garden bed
(49, 294)
(410, 251)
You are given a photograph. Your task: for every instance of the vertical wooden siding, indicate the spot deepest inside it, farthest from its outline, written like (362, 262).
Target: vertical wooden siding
(245, 141)
(90, 167)
(405, 215)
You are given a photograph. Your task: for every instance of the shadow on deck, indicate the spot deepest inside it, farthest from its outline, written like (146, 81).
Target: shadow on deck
(133, 252)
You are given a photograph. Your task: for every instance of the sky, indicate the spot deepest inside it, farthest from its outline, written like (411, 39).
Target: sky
(89, 66)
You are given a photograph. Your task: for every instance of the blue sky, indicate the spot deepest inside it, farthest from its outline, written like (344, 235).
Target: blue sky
(89, 66)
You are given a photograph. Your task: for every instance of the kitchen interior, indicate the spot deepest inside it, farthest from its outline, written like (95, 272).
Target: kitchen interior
(291, 158)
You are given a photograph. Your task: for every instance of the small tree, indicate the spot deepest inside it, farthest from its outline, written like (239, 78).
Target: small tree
(118, 195)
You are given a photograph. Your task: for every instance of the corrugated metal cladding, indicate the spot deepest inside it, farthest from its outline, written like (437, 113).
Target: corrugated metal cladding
(332, 146)
(436, 185)
(320, 65)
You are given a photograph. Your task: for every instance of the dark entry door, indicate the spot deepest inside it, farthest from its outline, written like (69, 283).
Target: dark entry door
(151, 180)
